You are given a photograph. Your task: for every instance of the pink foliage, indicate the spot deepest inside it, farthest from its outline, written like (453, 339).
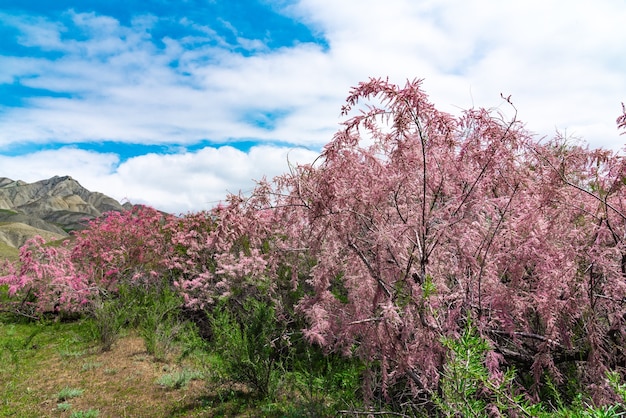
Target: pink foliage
(621, 120)
(220, 250)
(130, 246)
(46, 280)
(417, 218)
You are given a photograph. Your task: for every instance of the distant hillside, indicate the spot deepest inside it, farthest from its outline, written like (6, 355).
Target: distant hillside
(50, 208)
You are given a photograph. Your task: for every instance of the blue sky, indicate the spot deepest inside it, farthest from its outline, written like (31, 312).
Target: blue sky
(176, 103)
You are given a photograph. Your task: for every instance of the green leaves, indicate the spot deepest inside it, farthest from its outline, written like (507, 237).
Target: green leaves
(248, 340)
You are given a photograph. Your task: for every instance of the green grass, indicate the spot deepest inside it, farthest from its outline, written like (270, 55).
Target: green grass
(58, 366)
(68, 393)
(25, 347)
(8, 253)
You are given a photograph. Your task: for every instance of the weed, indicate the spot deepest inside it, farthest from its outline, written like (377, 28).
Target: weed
(466, 386)
(68, 393)
(178, 380)
(108, 318)
(91, 365)
(247, 346)
(64, 406)
(68, 354)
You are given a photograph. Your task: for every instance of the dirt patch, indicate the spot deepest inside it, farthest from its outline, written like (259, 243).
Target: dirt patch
(118, 383)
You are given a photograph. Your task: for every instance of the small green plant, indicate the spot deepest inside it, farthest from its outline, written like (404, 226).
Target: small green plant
(466, 387)
(108, 319)
(323, 381)
(68, 393)
(179, 379)
(615, 382)
(66, 354)
(64, 406)
(91, 365)
(155, 312)
(90, 413)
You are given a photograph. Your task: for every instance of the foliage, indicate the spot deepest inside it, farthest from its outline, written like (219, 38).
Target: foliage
(222, 254)
(68, 393)
(179, 379)
(123, 247)
(415, 217)
(160, 324)
(108, 320)
(120, 247)
(326, 382)
(467, 388)
(45, 280)
(250, 346)
(90, 413)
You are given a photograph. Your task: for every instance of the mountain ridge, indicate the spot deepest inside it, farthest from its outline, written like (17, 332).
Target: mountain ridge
(50, 207)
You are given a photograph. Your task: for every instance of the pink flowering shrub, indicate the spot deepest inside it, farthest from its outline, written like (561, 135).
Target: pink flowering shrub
(121, 247)
(416, 219)
(131, 246)
(45, 280)
(222, 253)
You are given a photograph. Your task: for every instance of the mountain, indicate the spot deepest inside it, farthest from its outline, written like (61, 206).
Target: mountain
(51, 208)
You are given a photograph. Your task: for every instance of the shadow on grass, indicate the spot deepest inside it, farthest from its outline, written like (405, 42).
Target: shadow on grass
(224, 403)
(241, 403)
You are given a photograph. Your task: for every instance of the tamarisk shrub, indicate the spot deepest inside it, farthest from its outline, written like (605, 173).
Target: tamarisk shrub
(416, 218)
(222, 253)
(121, 247)
(45, 280)
(130, 246)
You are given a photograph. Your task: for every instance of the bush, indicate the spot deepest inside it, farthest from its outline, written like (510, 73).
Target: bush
(249, 345)
(468, 388)
(108, 318)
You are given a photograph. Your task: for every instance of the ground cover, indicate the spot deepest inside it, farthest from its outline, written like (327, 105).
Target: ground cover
(51, 368)
(40, 361)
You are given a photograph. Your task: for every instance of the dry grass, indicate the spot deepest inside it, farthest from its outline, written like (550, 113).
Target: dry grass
(118, 383)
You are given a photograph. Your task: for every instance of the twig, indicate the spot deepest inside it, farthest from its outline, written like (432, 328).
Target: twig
(363, 321)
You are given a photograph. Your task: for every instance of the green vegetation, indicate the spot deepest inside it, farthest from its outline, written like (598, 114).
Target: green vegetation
(68, 393)
(47, 365)
(8, 253)
(51, 364)
(178, 379)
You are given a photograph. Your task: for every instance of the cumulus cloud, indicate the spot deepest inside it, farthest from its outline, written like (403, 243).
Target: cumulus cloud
(563, 64)
(176, 183)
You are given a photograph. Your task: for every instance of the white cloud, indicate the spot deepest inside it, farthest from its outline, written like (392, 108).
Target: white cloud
(563, 64)
(177, 183)
(193, 181)
(66, 161)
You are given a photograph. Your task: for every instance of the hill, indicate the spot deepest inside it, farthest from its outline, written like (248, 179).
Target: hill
(51, 208)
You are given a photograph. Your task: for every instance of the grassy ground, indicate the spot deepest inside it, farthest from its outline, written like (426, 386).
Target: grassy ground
(8, 253)
(55, 370)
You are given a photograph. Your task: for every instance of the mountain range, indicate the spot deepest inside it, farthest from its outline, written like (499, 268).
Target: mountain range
(51, 208)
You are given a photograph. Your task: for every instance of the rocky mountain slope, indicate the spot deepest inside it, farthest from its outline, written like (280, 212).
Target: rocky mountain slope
(50, 208)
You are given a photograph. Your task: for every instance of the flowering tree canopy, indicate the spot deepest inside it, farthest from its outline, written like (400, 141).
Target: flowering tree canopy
(417, 219)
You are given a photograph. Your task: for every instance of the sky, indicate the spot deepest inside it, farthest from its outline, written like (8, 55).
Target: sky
(174, 104)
